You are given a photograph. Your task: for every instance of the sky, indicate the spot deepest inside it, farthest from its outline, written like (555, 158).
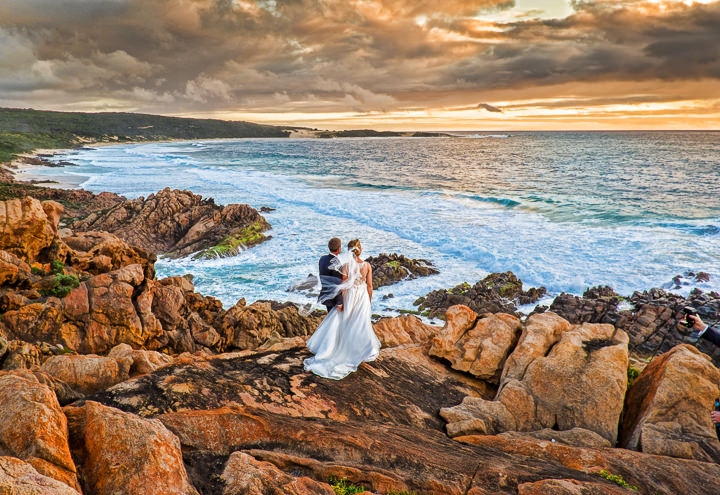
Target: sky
(380, 64)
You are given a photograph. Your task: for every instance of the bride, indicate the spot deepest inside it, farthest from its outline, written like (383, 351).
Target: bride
(346, 338)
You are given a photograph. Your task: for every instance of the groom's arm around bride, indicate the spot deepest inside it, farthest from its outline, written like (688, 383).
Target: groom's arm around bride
(330, 278)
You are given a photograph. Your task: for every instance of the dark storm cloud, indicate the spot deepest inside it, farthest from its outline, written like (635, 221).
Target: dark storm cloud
(253, 55)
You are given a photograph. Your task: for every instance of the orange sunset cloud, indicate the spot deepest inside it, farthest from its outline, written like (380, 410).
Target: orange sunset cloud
(385, 64)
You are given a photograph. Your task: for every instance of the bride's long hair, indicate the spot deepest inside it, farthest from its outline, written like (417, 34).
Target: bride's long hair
(355, 246)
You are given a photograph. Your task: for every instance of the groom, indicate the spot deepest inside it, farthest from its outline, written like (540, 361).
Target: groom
(329, 277)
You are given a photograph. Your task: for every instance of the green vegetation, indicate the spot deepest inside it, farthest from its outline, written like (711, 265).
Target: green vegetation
(393, 264)
(460, 289)
(57, 267)
(251, 235)
(36, 270)
(13, 143)
(25, 130)
(632, 374)
(343, 487)
(62, 285)
(618, 479)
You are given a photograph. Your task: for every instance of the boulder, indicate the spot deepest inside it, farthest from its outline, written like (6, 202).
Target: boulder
(20, 355)
(245, 475)
(557, 389)
(20, 478)
(33, 428)
(141, 361)
(477, 345)
(25, 229)
(403, 330)
(668, 404)
(113, 317)
(13, 270)
(123, 453)
(88, 373)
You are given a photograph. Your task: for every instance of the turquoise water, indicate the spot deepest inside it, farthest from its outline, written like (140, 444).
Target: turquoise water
(562, 210)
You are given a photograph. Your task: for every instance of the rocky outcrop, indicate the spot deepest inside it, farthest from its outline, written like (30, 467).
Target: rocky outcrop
(245, 475)
(28, 228)
(652, 421)
(388, 269)
(34, 429)
(88, 374)
(102, 252)
(652, 319)
(477, 345)
(253, 421)
(19, 477)
(377, 428)
(597, 305)
(496, 293)
(648, 474)
(106, 439)
(179, 223)
(581, 361)
(140, 361)
(249, 327)
(403, 330)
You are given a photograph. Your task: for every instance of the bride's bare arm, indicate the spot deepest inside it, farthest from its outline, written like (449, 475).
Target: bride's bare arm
(368, 280)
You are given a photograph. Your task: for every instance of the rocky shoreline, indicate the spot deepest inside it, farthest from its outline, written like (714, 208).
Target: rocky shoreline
(112, 380)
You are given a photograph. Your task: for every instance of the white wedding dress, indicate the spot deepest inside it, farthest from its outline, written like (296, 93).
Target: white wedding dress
(345, 338)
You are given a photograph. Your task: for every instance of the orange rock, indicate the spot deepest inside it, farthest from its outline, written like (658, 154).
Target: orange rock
(12, 269)
(19, 477)
(221, 430)
(569, 487)
(477, 345)
(668, 407)
(403, 330)
(577, 382)
(33, 427)
(88, 373)
(24, 228)
(123, 453)
(142, 361)
(54, 211)
(244, 475)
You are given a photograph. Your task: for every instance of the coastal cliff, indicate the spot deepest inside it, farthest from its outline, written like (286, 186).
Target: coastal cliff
(145, 386)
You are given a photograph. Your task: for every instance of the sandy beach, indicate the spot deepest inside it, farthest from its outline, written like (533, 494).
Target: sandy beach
(25, 170)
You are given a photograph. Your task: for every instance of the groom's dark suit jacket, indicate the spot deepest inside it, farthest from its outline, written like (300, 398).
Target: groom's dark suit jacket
(329, 278)
(713, 335)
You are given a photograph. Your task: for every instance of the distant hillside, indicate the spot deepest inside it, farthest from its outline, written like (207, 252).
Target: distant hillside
(23, 130)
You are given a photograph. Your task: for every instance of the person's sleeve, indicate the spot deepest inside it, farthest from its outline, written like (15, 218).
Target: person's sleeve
(712, 334)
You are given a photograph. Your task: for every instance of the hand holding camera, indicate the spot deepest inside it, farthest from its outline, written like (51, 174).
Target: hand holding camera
(690, 311)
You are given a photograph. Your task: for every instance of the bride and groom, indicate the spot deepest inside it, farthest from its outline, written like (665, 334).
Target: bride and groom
(345, 338)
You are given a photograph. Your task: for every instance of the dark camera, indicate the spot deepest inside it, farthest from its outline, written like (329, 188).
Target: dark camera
(689, 310)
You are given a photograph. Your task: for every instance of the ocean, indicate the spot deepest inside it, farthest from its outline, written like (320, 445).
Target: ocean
(563, 210)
